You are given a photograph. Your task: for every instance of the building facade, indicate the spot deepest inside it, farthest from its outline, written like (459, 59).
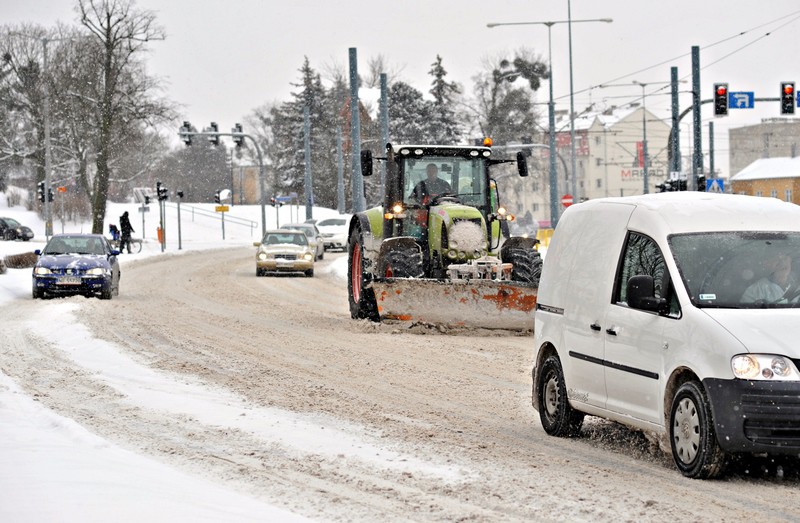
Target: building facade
(772, 138)
(608, 159)
(772, 177)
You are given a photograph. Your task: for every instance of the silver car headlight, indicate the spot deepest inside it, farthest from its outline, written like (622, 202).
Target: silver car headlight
(98, 271)
(308, 256)
(261, 255)
(42, 270)
(764, 367)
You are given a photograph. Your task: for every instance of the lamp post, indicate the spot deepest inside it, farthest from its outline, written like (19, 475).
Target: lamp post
(551, 108)
(48, 218)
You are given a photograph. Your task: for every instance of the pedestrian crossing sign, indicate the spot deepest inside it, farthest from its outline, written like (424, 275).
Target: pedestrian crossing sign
(715, 185)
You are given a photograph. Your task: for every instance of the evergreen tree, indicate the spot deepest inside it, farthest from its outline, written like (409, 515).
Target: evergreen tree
(447, 128)
(411, 118)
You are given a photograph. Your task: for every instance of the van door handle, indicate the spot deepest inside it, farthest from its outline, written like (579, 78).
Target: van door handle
(612, 331)
(595, 327)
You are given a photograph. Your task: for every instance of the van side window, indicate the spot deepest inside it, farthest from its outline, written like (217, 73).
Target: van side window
(642, 256)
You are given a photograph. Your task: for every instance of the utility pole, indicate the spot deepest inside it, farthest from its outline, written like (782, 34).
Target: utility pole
(355, 137)
(309, 189)
(697, 161)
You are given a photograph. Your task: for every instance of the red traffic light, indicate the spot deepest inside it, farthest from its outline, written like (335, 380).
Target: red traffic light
(721, 90)
(787, 98)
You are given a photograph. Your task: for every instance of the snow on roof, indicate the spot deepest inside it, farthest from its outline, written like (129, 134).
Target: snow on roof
(768, 168)
(607, 118)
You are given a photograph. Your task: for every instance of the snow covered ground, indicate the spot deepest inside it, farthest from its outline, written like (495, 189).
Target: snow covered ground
(51, 468)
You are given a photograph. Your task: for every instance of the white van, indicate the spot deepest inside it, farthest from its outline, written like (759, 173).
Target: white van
(674, 313)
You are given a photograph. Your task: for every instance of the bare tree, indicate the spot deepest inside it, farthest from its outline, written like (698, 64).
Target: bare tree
(123, 99)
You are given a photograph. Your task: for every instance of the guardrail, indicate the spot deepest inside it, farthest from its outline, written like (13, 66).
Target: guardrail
(229, 220)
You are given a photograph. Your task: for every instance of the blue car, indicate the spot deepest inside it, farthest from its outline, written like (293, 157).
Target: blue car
(77, 264)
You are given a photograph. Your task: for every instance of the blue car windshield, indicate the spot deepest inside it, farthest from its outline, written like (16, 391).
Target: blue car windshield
(74, 245)
(740, 270)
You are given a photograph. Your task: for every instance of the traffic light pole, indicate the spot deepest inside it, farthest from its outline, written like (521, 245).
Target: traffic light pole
(184, 132)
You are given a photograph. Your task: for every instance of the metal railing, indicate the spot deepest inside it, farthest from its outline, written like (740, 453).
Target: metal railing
(204, 213)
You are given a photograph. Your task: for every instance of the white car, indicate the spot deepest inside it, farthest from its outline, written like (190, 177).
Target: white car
(333, 232)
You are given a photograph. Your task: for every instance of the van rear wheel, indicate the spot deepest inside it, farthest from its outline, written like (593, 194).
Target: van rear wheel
(695, 449)
(557, 417)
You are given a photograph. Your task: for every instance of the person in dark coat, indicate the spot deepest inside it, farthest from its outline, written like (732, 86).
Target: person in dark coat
(125, 229)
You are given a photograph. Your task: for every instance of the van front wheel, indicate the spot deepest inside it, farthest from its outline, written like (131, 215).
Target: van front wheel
(558, 418)
(695, 449)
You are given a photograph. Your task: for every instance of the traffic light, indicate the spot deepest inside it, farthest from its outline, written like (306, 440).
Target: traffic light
(214, 128)
(40, 191)
(238, 140)
(184, 131)
(216, 198)
(50, 194)
(161, 192)
(180, 194)
(720, 99)
(146, 200)
(787, 97)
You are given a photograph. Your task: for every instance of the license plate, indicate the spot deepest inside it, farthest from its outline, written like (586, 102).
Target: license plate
(69, 280)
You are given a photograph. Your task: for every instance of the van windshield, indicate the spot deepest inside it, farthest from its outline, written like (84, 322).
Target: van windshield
(740, 270)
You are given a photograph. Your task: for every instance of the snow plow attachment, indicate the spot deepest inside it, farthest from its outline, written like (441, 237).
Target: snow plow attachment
(489, 304)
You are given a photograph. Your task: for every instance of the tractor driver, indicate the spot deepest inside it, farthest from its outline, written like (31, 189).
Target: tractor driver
(431, 187)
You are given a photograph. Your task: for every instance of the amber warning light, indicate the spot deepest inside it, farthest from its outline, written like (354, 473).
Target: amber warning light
(487, 142)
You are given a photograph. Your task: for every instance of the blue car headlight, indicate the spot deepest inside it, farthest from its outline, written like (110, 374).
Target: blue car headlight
(98, 271)
(41, 270)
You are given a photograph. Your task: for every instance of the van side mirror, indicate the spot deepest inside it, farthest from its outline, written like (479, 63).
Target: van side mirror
(522, 164)
(640, 293)
(366, 163)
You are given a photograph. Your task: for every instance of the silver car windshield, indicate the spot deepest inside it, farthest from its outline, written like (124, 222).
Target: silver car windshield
(740, 270)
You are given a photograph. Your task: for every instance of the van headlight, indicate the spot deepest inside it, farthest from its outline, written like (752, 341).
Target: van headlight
(764, 367)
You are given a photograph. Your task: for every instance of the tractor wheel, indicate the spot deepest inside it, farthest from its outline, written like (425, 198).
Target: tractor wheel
(527, 264)
(404, 262)
(361, 297)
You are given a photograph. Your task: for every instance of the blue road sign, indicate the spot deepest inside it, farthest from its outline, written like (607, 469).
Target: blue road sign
(741, 100)
(715, 185)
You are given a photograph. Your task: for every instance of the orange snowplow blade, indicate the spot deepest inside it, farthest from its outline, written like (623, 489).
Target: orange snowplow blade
(487, 304)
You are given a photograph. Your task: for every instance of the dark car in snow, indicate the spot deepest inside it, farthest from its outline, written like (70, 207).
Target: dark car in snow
(82, 264)
(11, 229)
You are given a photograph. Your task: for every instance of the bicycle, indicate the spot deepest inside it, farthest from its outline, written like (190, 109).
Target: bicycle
(136, 245)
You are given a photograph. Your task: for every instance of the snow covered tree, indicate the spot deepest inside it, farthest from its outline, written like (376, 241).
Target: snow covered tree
(446, 125)
(502, 110)
(411, 118)
(123, 93)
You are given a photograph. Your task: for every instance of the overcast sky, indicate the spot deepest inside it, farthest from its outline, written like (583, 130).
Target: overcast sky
(221, 59)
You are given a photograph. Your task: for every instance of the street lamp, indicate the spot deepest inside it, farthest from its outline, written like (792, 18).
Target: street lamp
(48, 219)
(551, 108)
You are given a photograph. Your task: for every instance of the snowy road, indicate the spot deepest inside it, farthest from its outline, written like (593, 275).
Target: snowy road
(266, 386)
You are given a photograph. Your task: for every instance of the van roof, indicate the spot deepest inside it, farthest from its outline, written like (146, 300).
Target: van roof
(692, 211)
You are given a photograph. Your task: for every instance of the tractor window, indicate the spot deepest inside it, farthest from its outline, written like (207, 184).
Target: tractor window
(464, 177)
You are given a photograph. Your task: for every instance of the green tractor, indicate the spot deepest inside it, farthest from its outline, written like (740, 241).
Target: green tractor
(437, 250)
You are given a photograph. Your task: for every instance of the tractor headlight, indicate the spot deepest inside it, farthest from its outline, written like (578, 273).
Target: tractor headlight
(396, 211)
(764, 367)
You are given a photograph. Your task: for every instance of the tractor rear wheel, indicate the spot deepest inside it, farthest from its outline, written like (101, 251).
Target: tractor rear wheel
(361, 298)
